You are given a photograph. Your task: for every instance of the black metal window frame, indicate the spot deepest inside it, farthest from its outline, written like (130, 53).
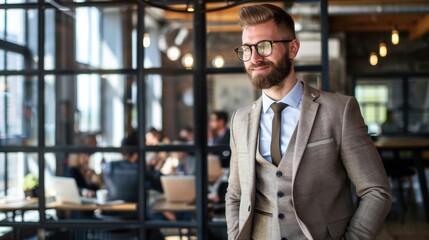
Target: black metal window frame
(199, 71)
(406, 108)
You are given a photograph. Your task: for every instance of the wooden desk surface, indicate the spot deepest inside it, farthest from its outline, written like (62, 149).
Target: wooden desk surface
(24, 204)
(405, 143)
(120, 207)
(33, 203)
(174, 207)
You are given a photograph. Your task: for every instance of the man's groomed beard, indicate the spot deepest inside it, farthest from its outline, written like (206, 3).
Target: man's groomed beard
(277, 75)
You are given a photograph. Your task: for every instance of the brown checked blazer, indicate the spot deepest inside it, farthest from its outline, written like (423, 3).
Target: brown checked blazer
(333, 149)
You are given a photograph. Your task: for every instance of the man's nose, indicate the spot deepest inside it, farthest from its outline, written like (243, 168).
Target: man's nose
(255, 55)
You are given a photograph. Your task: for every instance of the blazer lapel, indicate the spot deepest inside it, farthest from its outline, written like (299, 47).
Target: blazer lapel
(252, 131)
(308, 114)
(252, 136)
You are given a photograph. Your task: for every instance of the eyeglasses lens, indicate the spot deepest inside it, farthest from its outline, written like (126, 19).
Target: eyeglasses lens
(264, 48)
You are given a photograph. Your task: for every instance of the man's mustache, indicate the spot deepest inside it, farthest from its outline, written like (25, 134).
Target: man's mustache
(261, 64)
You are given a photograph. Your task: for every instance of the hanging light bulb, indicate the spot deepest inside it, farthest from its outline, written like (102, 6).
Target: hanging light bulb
(382, 50)
(146, 40)
(218, 61)
(189, 7)
(395, 36)
(373, 59)
(173, 53)
(188, 61)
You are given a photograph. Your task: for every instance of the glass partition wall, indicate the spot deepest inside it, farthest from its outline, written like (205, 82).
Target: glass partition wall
(120, 96)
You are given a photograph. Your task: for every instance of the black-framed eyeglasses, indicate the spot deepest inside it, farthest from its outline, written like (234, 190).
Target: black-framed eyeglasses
(264, 48)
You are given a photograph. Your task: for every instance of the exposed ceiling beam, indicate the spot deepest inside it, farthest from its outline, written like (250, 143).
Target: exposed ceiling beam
(421, 28)
(373, 22)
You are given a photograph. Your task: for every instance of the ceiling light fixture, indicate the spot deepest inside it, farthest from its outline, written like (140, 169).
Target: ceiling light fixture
(218, 61)
(173, 53)
(382, 49)
(146, 40)
(395, 36)
(189, 7)
(373, 59)
(188, 61)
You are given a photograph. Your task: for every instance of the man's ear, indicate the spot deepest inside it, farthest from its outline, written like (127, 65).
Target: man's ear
(293, 48)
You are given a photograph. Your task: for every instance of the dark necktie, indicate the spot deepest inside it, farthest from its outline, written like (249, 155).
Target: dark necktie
(275, 133)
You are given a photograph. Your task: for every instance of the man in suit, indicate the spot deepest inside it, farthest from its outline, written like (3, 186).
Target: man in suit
(303, 192)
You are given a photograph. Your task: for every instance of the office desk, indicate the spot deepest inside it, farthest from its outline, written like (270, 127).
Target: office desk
(119, 207)
(173, 207)
(33, 204)
(417, 146)
(24, 204)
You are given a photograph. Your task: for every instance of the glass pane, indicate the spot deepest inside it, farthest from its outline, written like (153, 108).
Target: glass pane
(5, 231)
(18, 111)
(419, 105)
(19, 186)
(378, 99)
(14, 61)
(217, 175)
(2, 60)
(16, 26)
(89, 104)
(102, 38)
(223, 36)
(171, 196)
(2, 23)
(3, 178)
(169, 105)
(311, 78)
(228, 92)
(171, 46)
(72, 184)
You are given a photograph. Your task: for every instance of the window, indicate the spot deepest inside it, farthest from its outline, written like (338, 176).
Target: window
(373, 101)
(110, 69)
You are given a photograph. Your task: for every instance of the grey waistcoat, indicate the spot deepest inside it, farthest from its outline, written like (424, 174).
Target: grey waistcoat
(274, 216)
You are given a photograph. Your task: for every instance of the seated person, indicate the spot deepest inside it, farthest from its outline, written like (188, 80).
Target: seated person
(78, 168)
(121, 177)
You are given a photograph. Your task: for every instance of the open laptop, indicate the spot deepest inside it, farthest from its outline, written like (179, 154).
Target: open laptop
(66, 191)
(178, 189)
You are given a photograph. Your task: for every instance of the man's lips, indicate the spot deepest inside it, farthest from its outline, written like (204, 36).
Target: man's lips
(256, 68)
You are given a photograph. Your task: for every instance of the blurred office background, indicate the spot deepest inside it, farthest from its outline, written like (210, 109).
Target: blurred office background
(77, 77)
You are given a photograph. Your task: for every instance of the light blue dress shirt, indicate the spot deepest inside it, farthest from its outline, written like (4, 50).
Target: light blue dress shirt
(289, 120)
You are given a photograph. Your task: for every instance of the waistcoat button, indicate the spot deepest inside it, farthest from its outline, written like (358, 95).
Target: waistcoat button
(281, 216)
(280, 194)
(279, 174)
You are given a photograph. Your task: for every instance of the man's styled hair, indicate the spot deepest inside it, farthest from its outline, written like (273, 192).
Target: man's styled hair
(257, 14)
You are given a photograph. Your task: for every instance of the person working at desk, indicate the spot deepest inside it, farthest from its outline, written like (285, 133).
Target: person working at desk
(291, 170)
(121, 177)
(78, 168)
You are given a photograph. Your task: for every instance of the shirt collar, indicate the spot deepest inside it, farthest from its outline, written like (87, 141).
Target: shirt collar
(292, 98)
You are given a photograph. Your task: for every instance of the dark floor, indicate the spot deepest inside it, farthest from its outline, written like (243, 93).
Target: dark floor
(414, 227)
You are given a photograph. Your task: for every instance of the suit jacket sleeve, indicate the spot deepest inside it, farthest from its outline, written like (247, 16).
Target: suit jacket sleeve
(366, 171)
(233, 195)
